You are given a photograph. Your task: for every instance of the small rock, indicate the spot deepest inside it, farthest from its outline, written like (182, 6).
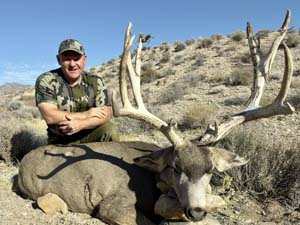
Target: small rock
(52, 203)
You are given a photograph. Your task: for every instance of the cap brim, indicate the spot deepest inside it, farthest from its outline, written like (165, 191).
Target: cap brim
(71, 49)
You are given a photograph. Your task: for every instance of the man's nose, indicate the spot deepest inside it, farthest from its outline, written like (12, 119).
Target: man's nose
(72, 62)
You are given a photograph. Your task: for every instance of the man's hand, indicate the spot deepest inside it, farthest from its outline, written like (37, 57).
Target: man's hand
(99, 112)
(69, 126)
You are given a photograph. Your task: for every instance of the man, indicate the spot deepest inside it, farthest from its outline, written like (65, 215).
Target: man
(73, 102)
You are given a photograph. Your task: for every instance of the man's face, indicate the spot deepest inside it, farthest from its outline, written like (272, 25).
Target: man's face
(72, 65)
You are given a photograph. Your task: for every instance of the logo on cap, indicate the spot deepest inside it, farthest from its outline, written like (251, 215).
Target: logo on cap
(71, 45)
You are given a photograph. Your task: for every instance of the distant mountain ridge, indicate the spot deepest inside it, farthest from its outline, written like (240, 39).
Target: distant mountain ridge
(13, 87)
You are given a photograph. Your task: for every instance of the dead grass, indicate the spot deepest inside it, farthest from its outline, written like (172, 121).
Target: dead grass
(272, 168)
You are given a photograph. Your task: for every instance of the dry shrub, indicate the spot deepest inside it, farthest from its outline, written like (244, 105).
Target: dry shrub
(189, 42)
(273, 167)
(192, 79)
(179, 47)
(16, 139)
(238, 36)
(234, 101)
(204, 43)
(165, 57)
(173, 92)
(239, 77)
(200, 59)
(23, 141)
(246, 58)
(14, 105)
(196, 116)
(263, 33)
(178, 60)
(293, 39)
(216, 37)
(164, 46)
(149, 74)
(295, 101)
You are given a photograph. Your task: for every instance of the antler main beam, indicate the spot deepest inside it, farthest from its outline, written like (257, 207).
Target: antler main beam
(140, 112)
(262, 66)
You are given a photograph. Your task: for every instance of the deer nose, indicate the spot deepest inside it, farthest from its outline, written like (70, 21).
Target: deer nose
(195, 214)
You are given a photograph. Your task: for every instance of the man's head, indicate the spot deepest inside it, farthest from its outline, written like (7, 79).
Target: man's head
(72, 59)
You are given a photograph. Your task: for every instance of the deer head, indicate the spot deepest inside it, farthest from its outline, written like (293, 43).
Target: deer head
(187, 165)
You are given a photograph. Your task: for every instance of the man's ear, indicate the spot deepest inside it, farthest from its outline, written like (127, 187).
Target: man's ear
(58, 60)
(224, 160)
(155, 161)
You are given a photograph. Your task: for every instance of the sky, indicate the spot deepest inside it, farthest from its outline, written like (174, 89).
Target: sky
(31, 30)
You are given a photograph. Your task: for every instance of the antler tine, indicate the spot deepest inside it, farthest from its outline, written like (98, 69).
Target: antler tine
(273, 50)
(287, 77)
(140, 113)
(262, 64)
(253, 110)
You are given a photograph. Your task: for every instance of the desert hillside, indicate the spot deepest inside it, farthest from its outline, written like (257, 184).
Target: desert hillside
(193, 83)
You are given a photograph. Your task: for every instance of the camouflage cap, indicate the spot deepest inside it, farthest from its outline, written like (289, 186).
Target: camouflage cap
(71, 45)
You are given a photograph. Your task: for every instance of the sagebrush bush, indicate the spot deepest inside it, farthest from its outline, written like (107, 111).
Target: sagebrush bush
(216, 37)
(293, 39)
(165, 57)
(197, 116)
(14, 105)
(173, 92)
(238, 36)
(23, 141)
(246, 58)
(178, 60)
(16, 138)
(148, 74)
(179, 47)
(263, 33)
(234, 101)
(191, 79)
(164, 46)
(189, 42)
(204, 43)
(272, 167)
(239, 77)
(200, 59)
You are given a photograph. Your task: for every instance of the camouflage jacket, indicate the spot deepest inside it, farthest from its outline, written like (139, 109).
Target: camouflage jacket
(51, 87)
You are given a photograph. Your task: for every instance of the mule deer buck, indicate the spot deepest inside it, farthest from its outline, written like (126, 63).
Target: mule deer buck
(111, 180)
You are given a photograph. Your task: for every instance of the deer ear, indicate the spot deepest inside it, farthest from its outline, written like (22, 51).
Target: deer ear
(224, 160)
(155, 161)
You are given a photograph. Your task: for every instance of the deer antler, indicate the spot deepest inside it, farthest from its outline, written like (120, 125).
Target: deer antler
(262, 66)
(140, 112)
